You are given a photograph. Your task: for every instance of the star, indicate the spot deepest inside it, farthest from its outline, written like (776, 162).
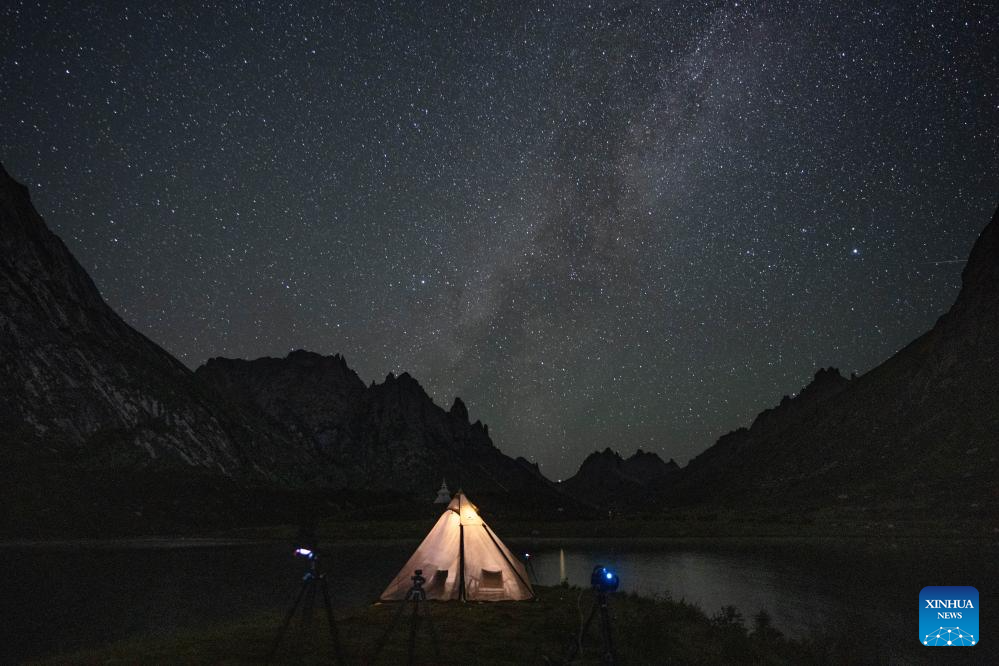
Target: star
(642, 198)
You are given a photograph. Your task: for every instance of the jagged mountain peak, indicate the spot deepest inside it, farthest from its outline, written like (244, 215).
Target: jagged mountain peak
(826, 376)
(307, 358)
(459, 410)
(607, 480)
(647, 466)
(299, 359)
(826, 383)
(404, 380)
(601, 462)
(393, 426)
(87, 395)
(609, 458)
(645, 456)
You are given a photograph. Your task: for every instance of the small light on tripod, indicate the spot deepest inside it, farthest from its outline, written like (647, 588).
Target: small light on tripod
(304, 552)
(527, 556)
(604, 579)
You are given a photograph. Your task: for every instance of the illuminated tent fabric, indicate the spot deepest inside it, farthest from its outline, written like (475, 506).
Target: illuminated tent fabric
(462, 558)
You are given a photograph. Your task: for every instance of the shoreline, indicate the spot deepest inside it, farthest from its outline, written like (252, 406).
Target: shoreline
(169, 542)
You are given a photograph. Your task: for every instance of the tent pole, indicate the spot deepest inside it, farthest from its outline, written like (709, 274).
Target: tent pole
(461, 552)
(461, 562)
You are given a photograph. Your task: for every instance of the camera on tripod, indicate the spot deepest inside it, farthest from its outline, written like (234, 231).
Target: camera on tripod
(314, 584)
(604, 580)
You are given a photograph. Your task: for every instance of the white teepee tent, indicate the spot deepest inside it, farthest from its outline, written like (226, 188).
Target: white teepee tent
(461, 558)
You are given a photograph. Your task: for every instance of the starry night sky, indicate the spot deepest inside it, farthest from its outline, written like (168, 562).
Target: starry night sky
(631, 224)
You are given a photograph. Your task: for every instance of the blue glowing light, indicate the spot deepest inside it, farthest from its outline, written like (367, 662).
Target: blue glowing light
(609, 575)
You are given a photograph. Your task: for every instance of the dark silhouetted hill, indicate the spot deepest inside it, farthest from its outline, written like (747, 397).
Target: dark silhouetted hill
(103, 430)
(385, 436)
(76, 378)
(917, 434)
(608, 481)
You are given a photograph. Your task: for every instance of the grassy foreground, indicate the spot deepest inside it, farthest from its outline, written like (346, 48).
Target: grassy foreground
(646, 631)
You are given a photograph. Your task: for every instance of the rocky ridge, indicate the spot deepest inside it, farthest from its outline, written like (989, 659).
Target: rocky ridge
(607, 480)
(99, 425)
(916, 434)
(76, 377)
(386, 435)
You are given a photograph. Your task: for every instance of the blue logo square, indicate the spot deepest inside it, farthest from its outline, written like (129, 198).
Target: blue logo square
(948, 616)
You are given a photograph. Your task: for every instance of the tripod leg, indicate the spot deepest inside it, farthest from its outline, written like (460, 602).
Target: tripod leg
(388, 632)
(414, 624)
(605, 628)
(310, 601)
(338, 653)
(577, 645)
(286, 623)
(433, 632)
(305, 629)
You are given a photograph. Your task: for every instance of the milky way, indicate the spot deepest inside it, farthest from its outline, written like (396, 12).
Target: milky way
(625, 224)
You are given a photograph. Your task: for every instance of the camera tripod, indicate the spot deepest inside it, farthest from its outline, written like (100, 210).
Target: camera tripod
(416, 597)
(600, 603)
(311, 582)
(529, 565)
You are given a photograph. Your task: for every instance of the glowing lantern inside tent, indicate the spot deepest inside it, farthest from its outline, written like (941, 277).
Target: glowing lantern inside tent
(461, 558)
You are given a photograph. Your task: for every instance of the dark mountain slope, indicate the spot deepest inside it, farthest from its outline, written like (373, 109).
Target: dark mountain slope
(386, 436)
(101, 430)
(608, 481)
(918, 433)
(646, 467)
(75, 377)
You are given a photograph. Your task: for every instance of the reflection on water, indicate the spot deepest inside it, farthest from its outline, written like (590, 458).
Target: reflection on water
(707, 580)
(54, 599)
(57, 599)
(860, 596)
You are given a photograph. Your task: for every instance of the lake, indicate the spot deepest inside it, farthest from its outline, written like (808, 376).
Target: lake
(849, 592)
(58, 597)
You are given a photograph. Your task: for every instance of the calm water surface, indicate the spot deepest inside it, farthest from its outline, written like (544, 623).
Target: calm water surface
(54, 599)
(58, 598)
(858, 596)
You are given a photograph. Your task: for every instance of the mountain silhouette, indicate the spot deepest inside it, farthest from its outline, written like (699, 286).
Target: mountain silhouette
(103, 429)
(918, 434)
